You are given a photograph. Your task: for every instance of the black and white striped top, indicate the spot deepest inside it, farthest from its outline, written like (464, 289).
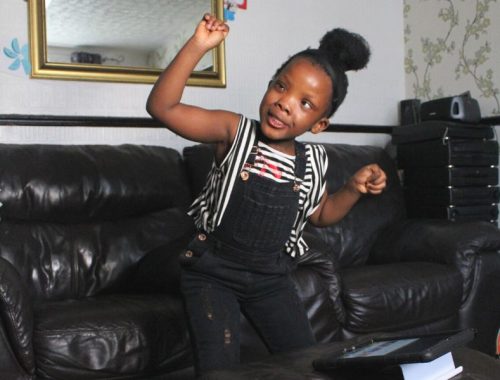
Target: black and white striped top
(208, 209)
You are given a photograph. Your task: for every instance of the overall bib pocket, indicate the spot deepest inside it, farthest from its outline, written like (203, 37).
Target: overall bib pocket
(266, 215)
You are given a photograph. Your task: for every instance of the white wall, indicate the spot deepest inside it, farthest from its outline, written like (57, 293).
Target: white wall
(261, 38)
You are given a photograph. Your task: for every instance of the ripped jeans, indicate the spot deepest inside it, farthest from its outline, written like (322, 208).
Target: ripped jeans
(218, 282)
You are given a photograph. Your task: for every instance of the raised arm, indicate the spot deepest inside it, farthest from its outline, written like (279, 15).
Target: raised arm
(370, 179)
(164, 102)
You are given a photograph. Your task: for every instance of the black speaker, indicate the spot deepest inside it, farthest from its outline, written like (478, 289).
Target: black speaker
(84, 57)
(409, 111)
(461, 108)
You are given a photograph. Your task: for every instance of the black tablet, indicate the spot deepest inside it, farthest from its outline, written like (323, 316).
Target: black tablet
(390, 350)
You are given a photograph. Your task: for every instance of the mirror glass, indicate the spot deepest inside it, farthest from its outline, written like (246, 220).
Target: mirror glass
(118, 40)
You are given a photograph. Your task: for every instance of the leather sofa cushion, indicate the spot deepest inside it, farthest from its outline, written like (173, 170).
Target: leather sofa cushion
(82, 183)
(397, 296)
(458, 244)
(110, 336)
(315, 296)
(59, 261)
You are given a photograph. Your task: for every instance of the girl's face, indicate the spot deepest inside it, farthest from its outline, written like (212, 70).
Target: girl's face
(295, 102)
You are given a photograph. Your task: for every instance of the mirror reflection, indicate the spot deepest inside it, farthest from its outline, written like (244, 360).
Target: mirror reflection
(123, 37)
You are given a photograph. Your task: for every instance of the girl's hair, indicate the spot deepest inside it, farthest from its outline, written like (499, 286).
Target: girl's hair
(339, 51)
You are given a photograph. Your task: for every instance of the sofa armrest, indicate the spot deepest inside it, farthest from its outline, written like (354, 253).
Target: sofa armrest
(325, 265)
(16, 319)
(435, 240)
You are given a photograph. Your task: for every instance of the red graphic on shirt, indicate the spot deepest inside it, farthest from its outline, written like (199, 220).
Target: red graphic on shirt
(269, 166)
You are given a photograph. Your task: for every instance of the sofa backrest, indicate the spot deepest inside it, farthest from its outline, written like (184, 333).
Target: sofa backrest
(350, 240)
(198, 160)
(75, 219)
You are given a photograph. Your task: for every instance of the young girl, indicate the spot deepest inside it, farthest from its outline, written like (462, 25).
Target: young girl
(262, 189)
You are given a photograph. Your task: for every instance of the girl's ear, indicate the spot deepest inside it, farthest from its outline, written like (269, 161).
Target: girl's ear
(320, 126)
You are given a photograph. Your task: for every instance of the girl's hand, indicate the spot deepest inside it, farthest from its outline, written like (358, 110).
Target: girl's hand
(370, 179)
(210, 32)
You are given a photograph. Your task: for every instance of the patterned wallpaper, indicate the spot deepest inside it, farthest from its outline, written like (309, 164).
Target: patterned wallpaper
(453, 46)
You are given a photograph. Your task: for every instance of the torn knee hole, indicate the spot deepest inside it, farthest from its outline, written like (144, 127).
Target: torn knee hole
(227, 336)
(207, 304)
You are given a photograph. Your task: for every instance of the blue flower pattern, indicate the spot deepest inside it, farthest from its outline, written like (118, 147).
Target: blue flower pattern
(20, 56)
(228, 15)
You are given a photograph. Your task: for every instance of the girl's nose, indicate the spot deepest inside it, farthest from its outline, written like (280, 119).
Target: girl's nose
(284, 104)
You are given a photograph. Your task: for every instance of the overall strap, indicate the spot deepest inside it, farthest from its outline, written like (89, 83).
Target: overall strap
(300, 165)
(247, 166)
(300, 160)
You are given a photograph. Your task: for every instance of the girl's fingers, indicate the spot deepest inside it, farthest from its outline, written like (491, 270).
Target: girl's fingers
(378, 177)
(212, 23)
(375, 189)
(380, 180)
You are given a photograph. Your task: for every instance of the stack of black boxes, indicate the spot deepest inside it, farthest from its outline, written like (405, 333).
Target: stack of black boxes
(449, 170)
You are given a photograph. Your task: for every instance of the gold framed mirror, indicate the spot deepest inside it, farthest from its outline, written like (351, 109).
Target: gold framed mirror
(118, 40)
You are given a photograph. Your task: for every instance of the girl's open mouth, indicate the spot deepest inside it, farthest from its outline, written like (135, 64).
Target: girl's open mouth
(275, 122)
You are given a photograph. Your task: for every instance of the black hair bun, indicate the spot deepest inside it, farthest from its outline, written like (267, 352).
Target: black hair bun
(344, 49)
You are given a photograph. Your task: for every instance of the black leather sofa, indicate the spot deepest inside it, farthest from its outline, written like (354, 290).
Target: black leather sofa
(89, 240)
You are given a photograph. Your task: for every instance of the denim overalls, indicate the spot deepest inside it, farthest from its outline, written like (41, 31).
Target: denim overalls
(242, 266)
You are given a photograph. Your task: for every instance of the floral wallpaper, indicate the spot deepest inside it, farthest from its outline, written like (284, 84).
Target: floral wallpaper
(453, 46)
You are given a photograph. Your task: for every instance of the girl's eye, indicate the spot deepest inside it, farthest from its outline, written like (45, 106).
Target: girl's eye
(279, 86)
(306, 104)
